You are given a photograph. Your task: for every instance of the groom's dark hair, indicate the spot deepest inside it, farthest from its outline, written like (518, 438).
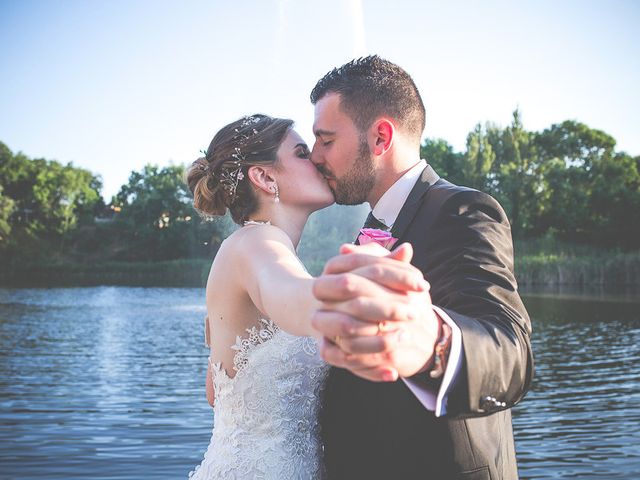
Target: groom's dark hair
(371, 87)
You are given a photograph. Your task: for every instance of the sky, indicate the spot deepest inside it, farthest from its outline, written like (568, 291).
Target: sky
(112, 86)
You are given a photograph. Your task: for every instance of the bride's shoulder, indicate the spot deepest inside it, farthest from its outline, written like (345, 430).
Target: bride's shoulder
(257, 235)
(255, 238)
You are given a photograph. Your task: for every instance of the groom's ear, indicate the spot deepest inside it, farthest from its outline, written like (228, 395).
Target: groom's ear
(261, 178)
(383, 135)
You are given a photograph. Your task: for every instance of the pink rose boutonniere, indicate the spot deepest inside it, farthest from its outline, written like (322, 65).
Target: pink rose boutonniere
(368, 235)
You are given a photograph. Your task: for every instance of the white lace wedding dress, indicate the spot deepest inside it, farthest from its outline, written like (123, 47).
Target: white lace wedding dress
(266, 417)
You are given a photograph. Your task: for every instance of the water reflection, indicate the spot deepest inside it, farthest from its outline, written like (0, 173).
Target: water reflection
(108, 383)
(101, 383)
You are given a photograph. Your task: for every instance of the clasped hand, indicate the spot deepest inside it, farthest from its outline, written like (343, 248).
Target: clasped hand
(376, 316)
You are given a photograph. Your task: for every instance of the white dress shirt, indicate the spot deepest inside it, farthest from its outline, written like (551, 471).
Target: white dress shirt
(387, 210)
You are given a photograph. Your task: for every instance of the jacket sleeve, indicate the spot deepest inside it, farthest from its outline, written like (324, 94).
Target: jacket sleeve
(469, 262)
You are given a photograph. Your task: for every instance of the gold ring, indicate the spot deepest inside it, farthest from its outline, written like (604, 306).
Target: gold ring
(336, 340)
(380, 330)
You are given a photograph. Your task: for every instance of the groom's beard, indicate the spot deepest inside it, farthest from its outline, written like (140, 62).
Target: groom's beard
(354, 186)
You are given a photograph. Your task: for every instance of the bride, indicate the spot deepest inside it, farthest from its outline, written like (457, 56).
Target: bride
(264, 363)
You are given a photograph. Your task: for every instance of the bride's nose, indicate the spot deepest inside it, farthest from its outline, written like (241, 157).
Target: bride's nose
(316, 156)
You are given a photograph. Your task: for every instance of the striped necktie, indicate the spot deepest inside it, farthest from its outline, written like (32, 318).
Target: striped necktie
(373, 222)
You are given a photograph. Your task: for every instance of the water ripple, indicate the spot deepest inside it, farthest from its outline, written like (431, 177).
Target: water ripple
(108, 383)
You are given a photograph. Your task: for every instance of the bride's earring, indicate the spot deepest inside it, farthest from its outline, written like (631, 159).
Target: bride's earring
(277, 199)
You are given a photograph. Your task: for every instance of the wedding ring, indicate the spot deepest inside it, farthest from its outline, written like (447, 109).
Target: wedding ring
(336, 340)
(380, 328)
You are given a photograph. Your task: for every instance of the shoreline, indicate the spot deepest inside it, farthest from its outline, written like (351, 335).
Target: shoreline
(614, 271)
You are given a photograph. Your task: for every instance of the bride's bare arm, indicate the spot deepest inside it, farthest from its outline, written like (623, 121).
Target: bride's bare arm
(276, 280)
(210, 391)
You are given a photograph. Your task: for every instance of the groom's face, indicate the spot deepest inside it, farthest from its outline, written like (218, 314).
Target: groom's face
(341, 152)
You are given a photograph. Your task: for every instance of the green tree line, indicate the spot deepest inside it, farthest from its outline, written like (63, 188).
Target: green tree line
(567, 182)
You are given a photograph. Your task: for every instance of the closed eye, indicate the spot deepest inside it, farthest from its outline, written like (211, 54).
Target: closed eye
(303, 152)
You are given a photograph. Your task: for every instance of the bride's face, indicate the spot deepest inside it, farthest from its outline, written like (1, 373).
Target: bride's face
(299, 182)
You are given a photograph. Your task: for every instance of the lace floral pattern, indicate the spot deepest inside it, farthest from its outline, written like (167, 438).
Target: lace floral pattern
(256, 337)
(266, 416)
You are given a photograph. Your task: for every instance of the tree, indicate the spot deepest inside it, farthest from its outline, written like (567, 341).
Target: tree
(158, 220)
(593, 191)
(614, 204)
(7, 206)
(155, 196)
(478, 159)
(516, 178)
(568, 190)
(61, 193)
(440, 155)
(48, 199)
(575, 144)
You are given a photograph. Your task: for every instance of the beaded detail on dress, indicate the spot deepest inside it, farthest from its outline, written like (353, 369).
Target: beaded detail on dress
(266, 416)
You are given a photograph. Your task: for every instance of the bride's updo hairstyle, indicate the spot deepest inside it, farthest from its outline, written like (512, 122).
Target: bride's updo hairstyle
(219, 181)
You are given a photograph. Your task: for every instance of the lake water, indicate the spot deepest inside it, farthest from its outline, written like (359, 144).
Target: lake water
(108, 383)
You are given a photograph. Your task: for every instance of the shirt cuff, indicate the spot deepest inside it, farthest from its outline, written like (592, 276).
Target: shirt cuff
(432, 400)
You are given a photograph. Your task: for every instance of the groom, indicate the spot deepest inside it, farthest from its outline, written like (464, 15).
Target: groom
(423, 378)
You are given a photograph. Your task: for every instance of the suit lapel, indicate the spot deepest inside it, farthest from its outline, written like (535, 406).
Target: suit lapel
(411, 205)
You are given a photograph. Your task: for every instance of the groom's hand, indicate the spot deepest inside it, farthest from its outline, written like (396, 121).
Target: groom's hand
(376, 314)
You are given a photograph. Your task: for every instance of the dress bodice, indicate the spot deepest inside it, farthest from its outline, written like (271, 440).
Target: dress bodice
(266, 416)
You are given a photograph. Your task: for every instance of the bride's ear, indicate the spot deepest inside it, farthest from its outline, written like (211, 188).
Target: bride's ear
(262, 179)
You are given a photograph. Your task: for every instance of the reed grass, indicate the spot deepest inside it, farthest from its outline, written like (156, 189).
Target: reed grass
(171, 273)
(545, 269)
(543, 261)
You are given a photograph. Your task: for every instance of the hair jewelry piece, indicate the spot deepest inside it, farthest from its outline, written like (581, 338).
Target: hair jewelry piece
(205, 168)
(242, 137)
(230, 173)
(249, 120)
